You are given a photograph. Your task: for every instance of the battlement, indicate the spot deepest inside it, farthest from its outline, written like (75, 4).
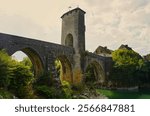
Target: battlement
(73, 11)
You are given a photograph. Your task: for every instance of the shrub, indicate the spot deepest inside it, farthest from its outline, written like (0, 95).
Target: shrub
(44, 91)
(21, 81)
(67, 89)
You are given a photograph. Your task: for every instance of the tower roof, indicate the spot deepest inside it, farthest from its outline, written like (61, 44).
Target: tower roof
(76, 9)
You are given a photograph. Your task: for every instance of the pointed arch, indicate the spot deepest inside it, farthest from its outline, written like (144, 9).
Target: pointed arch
(98, 74)
(35, 59)
(69, 40)
(66, 69)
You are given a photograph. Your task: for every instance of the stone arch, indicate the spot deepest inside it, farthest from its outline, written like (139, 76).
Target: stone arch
(99, 74)
(66, 69)
(69, 40)
(35, 59)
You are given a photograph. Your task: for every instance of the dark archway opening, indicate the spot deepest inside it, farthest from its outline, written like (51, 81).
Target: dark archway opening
(69, 40)
(64, 69)
(94, 73)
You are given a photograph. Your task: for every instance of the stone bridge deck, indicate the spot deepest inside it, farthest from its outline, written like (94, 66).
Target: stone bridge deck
(17, 41)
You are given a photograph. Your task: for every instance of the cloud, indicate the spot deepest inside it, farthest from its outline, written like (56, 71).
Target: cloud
(118, 22)
(108, 22)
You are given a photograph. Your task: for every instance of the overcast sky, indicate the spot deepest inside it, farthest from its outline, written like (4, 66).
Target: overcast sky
(108, 22)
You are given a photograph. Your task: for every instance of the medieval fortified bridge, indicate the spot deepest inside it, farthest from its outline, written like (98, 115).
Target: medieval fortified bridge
(71, 52)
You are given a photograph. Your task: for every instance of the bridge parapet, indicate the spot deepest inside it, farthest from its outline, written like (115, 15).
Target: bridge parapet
(100, 57)
(7, 40)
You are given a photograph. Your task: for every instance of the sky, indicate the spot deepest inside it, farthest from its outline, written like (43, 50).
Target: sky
(108, 22)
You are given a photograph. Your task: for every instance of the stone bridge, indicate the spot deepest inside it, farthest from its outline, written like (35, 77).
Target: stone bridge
(71, 53)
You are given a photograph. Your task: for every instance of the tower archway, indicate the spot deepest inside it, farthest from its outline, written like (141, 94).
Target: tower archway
(69, 40)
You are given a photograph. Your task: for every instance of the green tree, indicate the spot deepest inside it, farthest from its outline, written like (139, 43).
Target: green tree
(21, 83)
(124, 57)
(27, 62)
(15, 77)
(127, 67)
(6, 65)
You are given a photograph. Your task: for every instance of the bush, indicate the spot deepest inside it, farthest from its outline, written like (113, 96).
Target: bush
(15, 77)
(21, 81)
(27, 62)
(44, 91)
(67, 89)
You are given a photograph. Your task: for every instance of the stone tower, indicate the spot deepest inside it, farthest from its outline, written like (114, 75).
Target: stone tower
(73, 30)
(73, 35)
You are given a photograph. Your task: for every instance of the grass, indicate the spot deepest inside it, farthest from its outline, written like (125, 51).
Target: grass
(113, 94)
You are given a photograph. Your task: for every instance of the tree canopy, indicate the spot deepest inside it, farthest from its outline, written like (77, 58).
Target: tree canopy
(129, 67)
(14, 76)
